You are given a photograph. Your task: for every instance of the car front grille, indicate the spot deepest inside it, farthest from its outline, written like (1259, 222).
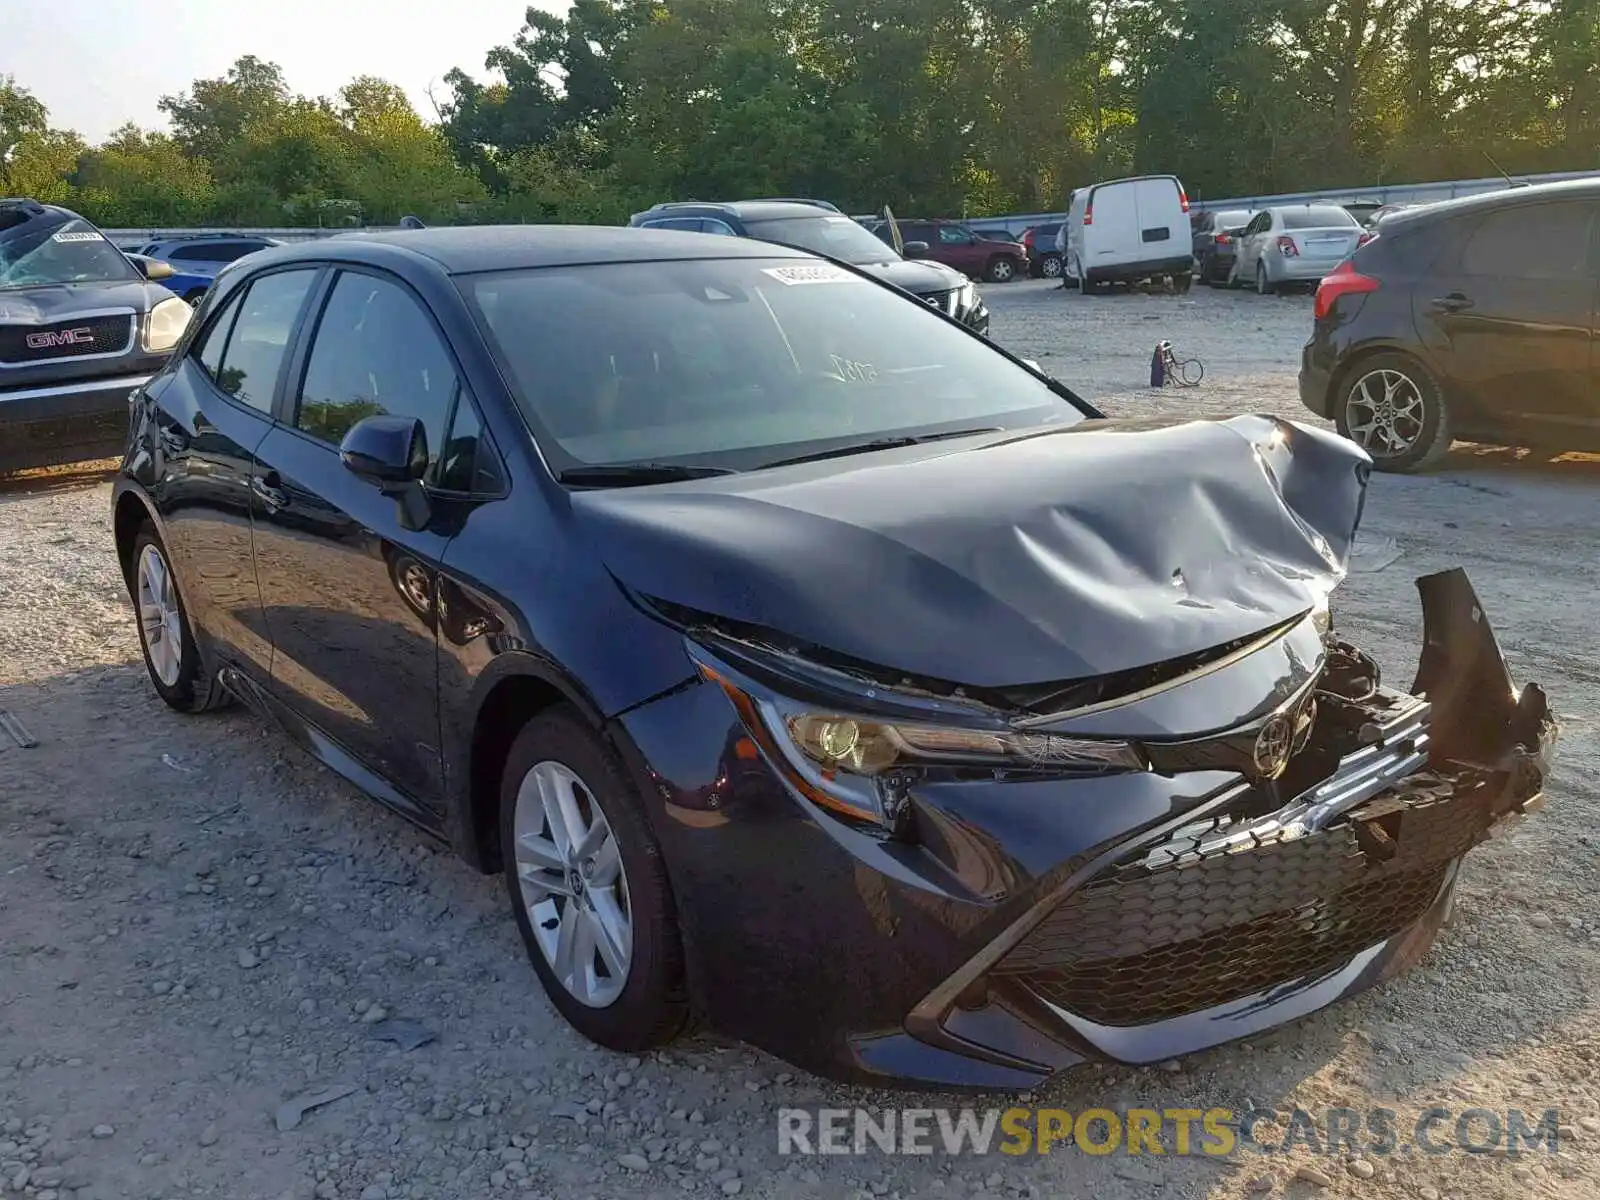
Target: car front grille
(1197, 922)
(73, 337)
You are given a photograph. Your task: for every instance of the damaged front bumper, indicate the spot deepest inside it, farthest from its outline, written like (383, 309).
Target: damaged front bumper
(1228, 921)
(1013, 927)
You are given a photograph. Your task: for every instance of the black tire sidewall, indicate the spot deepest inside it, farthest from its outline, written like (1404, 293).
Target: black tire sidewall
(1045, 263)
(651, 1008)
(189, 693)
(1000, 270)
(1426, 448)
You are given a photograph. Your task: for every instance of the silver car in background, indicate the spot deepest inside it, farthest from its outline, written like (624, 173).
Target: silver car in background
(1297, 243)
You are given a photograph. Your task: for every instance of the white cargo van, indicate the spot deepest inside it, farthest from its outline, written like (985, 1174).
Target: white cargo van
(1128, 230)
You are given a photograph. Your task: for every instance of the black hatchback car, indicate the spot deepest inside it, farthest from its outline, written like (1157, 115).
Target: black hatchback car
(804, 660)
(805, 226)
(81, 326)
(1473, 319)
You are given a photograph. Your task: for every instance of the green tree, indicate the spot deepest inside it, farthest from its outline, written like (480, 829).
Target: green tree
(21, 115)
(214, 114)
(139, 178)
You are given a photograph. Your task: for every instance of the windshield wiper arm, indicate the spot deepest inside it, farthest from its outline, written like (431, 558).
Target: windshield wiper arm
(636, 474)
(886, 443)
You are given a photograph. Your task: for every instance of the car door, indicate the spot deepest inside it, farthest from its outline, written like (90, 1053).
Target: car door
(1250, 243)
(213, 411)
(348, 589)
(962, 249)
(1510, 315)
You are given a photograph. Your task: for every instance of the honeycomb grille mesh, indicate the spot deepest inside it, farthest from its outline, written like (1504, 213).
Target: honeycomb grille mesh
(1178, 929)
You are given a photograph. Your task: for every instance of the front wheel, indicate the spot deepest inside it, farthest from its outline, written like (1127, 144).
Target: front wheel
(171, 656)
(1001, 270)
(588, 887)
(1264, 285)
(1394, 409)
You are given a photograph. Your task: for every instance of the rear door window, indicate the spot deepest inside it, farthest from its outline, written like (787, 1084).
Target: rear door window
(1531, 241)
(259, 340)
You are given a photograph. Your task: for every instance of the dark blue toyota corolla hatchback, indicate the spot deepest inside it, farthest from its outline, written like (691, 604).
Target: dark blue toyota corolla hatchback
(805, 661)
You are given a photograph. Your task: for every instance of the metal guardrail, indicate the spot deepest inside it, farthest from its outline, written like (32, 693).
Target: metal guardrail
(1384, 193)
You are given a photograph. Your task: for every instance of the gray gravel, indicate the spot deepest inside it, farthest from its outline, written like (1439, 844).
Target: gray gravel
(198, 924)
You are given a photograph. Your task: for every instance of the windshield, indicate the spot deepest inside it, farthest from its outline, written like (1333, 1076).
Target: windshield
(837, 237)
(1318, 216)
(46, 250)
(739, 363)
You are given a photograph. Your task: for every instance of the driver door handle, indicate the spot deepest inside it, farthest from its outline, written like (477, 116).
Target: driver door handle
(1454, 302)
(269, 488)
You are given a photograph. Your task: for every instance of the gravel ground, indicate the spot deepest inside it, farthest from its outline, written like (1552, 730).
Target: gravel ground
(197, 922)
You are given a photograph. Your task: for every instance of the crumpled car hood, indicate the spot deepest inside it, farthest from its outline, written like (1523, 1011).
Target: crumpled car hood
(1025, 557)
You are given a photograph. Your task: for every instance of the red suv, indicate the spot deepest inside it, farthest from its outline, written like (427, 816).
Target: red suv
(953, 244)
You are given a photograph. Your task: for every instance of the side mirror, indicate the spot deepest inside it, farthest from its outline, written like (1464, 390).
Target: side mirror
(915, 250)
(392, 454)
(153, 269)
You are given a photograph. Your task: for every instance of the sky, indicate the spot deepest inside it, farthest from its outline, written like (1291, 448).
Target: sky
(98, 63)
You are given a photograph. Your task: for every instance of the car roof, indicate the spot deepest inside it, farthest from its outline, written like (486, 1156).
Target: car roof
(464, 250)
(745, 210)
(1510, 197)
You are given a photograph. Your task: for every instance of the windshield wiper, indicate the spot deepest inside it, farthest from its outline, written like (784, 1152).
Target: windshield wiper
(887, 443)
(636, 474)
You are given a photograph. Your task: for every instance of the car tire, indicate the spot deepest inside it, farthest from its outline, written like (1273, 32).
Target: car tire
(1001, 269)
(1264, 284)
(1181, 282)
(1354, 413)
(1050, 266)
(171, 656)
(1208, 272)
(646, 1005)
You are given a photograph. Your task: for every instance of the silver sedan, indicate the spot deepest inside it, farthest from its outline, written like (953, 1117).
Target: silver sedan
(1295, 244)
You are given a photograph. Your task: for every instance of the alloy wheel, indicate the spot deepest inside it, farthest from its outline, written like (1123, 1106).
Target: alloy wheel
(1384, 412)
(1001, 270)
(160, 621)
(573, 884)
(1050, 268)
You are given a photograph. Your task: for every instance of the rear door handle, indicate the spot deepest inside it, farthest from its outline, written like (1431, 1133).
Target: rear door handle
(1454, 302)
(269, 488)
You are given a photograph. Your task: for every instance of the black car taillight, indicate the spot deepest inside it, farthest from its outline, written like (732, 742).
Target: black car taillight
(1344, 281)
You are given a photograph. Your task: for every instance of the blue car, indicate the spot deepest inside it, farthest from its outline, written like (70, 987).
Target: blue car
(199, 257)
(190, 285)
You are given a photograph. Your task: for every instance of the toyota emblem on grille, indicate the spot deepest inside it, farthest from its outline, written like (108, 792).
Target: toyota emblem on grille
(1274, 744)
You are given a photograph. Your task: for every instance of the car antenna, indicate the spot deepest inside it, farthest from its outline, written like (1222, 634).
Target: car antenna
(1510, 182)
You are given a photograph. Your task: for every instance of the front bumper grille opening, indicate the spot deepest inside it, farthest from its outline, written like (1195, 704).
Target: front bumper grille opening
(1196, 920)
(1197, 973)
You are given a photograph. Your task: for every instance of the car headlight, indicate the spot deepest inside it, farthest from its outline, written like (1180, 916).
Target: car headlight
(860, 765)
(963, 298)
(164, 325)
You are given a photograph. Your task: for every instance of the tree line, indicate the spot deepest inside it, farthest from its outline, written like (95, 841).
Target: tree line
(934, 106)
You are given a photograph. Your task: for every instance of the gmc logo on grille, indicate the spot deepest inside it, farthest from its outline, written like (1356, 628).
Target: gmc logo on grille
(61, 337)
